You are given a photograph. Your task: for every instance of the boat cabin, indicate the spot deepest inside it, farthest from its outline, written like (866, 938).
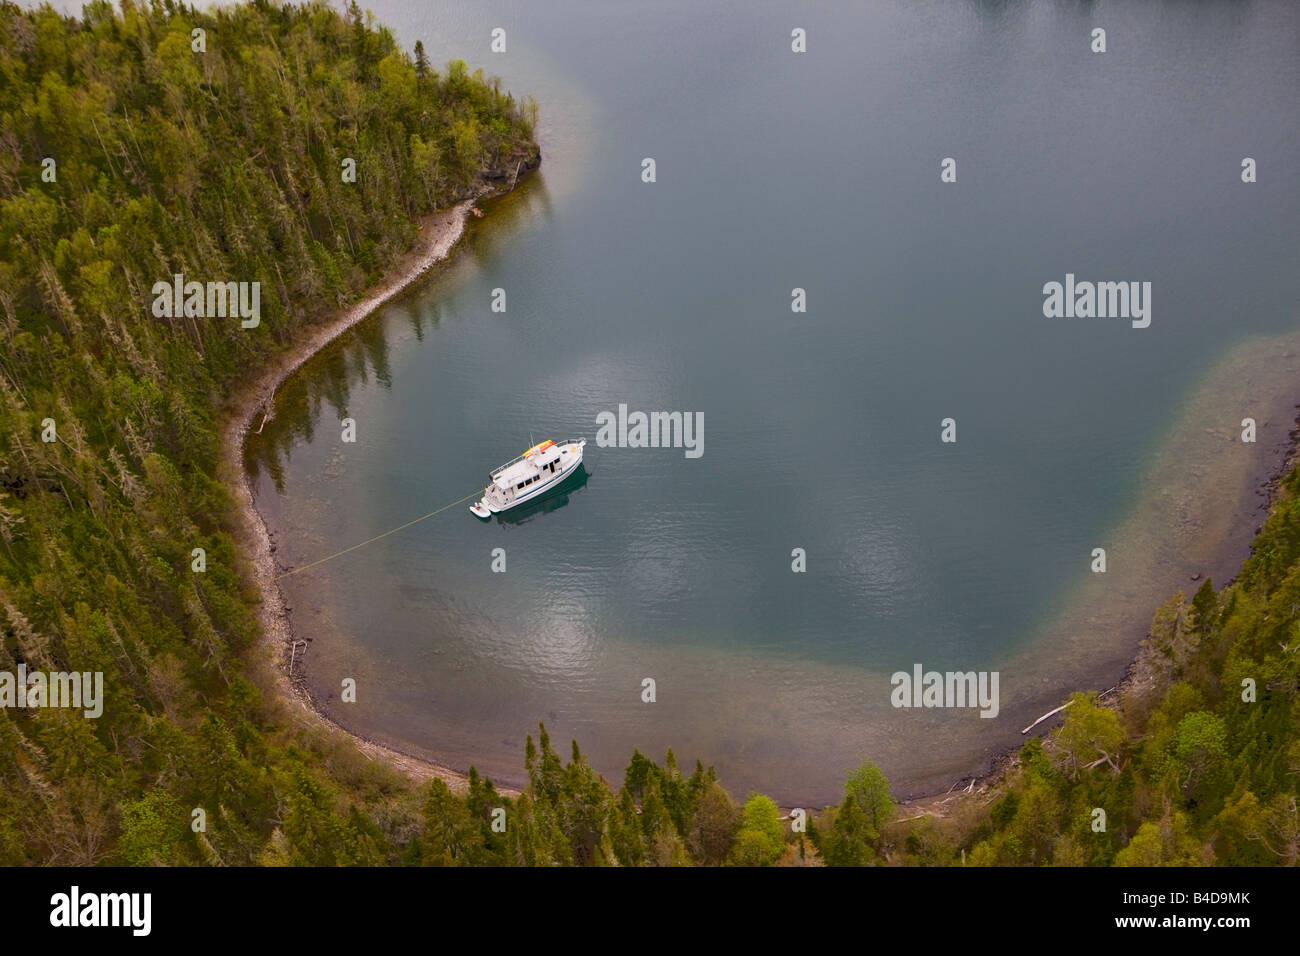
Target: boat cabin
(538, 464)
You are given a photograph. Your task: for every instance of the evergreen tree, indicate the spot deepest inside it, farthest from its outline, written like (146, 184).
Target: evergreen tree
(421, 62)
(451, 835)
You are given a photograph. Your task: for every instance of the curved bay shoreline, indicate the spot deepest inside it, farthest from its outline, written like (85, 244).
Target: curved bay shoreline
(1138, 678)
(438, 239)
(439, 236)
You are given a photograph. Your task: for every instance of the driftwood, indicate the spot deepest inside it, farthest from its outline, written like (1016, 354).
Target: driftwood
(1104, 759)
(1100, 696)
(1045, 716)
(294, 653)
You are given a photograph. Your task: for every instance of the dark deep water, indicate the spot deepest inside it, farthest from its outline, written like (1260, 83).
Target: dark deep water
(821, 430)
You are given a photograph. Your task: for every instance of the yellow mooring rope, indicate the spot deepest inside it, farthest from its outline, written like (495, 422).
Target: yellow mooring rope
(331, 557)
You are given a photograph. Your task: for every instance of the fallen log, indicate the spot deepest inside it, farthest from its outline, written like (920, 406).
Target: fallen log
(1045, 716)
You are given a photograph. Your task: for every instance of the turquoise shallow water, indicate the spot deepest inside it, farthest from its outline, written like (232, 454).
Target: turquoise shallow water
(821, 429)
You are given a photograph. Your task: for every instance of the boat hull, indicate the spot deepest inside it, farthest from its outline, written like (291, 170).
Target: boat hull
(569, 461)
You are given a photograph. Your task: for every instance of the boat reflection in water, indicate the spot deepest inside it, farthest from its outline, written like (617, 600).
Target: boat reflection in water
(548, 502)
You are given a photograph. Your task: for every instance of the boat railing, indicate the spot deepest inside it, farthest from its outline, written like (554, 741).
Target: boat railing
(515, 461)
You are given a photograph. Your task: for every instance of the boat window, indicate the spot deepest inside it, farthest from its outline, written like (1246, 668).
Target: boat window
(521, 484)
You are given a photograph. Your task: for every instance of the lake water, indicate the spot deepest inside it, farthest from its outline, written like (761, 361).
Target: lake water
(821, 171)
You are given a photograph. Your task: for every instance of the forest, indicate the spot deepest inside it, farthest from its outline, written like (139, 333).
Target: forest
(142, 142)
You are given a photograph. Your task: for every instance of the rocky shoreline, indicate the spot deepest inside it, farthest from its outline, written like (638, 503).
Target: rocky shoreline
(1138, 680)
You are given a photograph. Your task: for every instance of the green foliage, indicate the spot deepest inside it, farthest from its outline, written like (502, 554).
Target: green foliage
(1091, 734)
(153, 829)
(1164, 842)
(229, 167)
(851, 834)
(869, 789)
(850, 840)
(317, 834)
(760, 838)
(1200, 765)
(451, 835)
(224, 166)
(713, 825)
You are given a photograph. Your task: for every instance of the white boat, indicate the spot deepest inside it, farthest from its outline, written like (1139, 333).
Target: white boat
(536, 472)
